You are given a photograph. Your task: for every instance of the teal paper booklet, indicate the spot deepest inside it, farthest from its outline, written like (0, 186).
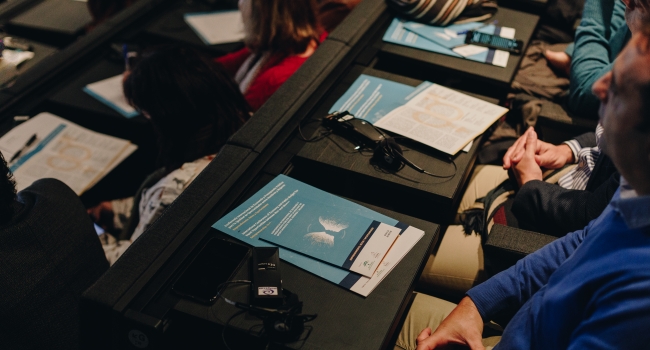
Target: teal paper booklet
(375, 100)
(449, 40)
(346, 240)
(371, 98)
(110, 92)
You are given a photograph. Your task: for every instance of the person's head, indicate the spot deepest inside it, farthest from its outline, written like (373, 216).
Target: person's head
(7, 192)
(625, 111)
(637, 14)
(284, 27)
(193, 104)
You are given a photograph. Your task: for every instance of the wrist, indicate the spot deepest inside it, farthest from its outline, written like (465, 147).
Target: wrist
(567, 153)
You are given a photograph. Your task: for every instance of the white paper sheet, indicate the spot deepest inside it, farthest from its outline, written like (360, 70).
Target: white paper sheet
(110, 92)
(63, 150)
(217, 27)
(442, 118)
(402, 245)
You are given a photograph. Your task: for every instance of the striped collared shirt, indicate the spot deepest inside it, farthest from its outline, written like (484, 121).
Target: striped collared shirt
(586, 157)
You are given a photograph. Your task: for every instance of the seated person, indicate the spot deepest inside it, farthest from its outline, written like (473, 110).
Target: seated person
(538, 206)
(194, 107)
(50, 256)
(605, 28)
(279, 35)
(588, 289)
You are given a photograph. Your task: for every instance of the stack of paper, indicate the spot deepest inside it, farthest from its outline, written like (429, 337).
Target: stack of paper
(333, 238)
(61, 150)
(110, 92)
(434, 115)
(449, 40)
(217, 27)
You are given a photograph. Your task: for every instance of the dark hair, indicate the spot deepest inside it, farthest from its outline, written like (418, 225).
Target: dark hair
(193, 104)
(283, 27)
(7, 192)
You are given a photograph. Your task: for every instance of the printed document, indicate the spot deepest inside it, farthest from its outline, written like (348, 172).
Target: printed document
(63, 150)
(217, 27)
(442, 118)
(110, 92)
(270, 211)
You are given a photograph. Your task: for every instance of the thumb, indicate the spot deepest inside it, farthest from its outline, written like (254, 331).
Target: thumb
(531, 143)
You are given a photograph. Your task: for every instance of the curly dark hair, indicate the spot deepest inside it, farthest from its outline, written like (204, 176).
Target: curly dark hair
(7, 192)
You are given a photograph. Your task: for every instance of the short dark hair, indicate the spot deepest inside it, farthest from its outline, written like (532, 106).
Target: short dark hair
(283, 27)
(7, 192)
(193, 104)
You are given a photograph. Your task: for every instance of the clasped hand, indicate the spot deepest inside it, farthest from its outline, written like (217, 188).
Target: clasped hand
(528, 155)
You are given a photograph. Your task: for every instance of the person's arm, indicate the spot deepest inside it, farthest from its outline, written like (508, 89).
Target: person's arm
(620, 317)
(551, 209)
(591, 55)
(586, 140)
(511, 288)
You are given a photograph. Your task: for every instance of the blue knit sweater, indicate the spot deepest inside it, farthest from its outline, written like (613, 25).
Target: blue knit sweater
(601, 36)
(587, 290)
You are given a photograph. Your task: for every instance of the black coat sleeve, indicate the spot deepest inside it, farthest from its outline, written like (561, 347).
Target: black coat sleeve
(553, 210)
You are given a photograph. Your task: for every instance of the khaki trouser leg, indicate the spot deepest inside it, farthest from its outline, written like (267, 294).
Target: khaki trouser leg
(427, 311)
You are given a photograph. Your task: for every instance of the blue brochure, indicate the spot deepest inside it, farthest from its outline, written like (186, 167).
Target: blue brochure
(371, 98)
(449, 40)
(314, 224)
(398, 34)
(272, 208)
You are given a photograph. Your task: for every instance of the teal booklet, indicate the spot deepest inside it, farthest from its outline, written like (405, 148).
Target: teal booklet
(332, 234)
(449, 40)
(371, 98)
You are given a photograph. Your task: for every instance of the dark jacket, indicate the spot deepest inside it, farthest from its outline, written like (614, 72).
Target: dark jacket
(548, 208)
(49, 254)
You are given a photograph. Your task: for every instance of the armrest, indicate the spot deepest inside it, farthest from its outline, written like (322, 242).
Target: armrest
(506, 245)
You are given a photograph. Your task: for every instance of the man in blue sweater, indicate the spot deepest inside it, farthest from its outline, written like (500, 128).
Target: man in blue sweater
(589, 289)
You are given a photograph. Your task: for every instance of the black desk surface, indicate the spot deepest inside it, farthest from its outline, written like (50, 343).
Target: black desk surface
(73, 103)
(430, 198)
(524, 24)
(172, 26)
(67, 17)
(345, 320)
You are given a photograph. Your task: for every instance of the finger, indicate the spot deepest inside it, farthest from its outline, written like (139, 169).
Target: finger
(531, 142)
(512, 151)
(424, 335)
(521, 145)
(430, 343)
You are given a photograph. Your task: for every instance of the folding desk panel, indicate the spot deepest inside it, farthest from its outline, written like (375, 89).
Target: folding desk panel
(56, 22)
(397, 58)
(171, 25)
(407, 190)
(73, 103)
(345, 320)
